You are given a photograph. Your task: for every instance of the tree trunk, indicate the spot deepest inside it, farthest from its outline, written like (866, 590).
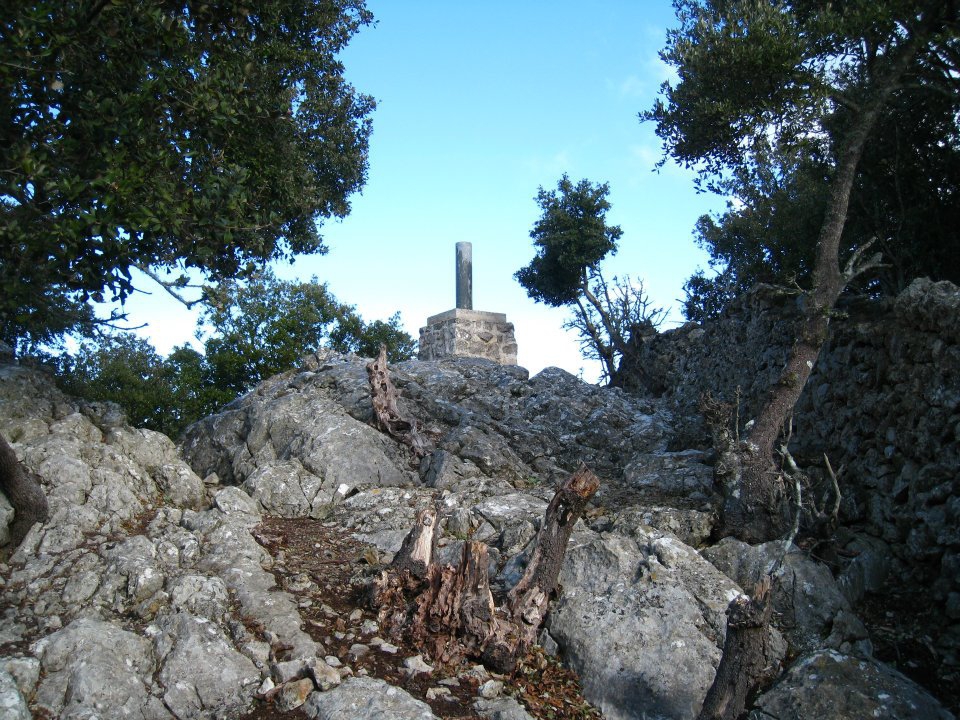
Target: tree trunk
(24, 493)
(450, 613)
(389, 418)
(756, 506)
(746, 663)
(527, 601)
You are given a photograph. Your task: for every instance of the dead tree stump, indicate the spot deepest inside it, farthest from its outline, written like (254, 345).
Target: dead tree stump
(388, 416)
(24, 493)
(746, 662)
(450, 612)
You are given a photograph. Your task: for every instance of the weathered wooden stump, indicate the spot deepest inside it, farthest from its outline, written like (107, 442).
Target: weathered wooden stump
(746, 662)
(450, 612)
(388, 415)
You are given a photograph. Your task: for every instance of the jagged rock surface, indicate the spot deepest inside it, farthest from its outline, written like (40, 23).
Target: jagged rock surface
(142, 555)
(301, 441)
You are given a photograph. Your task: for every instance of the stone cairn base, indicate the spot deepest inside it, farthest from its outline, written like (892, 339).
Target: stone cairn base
(469, 333)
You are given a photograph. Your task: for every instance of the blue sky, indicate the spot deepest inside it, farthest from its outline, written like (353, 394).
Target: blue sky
(478, 106)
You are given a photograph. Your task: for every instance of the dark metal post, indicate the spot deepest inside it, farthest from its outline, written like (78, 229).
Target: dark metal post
(464, 276)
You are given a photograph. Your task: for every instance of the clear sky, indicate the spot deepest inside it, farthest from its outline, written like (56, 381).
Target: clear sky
(479, 104)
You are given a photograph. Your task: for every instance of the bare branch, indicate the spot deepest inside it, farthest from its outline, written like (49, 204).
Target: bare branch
(794, 474)
(835, 511)
(857, 266)
(169, 286)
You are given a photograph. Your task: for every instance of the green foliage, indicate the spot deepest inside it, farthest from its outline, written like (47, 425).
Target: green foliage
(768, 99)
(260, 327)
(264, 325)
(173, 135)
(124, 369)
(163, 394)
(571, 237)
(352, 335)
(906, 198)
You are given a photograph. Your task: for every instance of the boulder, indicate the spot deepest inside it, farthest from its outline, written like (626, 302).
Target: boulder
(827, 684)
(91, 665)
(368, 698)
(642, 620)
(293, 448)
(807, 603)
(12, 704)
(184, 643)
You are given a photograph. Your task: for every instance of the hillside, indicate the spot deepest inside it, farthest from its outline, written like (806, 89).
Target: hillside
(226, 576)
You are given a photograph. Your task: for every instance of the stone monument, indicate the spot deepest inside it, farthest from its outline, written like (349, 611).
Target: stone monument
(465, 332)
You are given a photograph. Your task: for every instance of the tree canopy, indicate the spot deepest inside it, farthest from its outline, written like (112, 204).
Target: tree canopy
(769, 98)
(264, 325)
(571, 237)
(170, 136)
(255, 328)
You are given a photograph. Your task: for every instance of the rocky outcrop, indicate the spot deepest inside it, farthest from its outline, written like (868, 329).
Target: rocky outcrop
(155, 573)
(807, 600)
(642, 619)
(302, 441)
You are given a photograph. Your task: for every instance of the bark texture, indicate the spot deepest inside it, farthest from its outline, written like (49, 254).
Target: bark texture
(23, 491)
(746, 663)
(388, 415)
(450, 612)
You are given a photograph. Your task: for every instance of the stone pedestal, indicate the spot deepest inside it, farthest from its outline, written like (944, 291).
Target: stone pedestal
(469, 333)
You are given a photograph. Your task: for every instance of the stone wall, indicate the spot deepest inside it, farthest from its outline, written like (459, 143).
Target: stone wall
(883, 401)
(469, 333)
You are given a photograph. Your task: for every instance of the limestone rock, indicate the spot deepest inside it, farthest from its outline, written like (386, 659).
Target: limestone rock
(90, 665)
(504, 708)
(184, 643)
(642, 620)
(300, 443)
(12, 704)
(369, 698)
(293, 694)
(827, 684)
(806, 600)
(293, 448)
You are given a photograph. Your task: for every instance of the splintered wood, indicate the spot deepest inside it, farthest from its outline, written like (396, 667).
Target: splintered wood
(450, 612)
(389, 418)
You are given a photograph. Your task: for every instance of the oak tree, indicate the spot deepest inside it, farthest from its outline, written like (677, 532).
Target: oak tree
(798, 79)
(170, 136)
(572, 237)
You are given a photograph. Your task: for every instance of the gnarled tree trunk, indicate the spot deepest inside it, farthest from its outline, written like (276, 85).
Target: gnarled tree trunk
(23, 491)
(450, 612)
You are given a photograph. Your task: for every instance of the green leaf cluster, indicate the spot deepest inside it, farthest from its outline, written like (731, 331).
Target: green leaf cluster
(176, 133)
(163, 394)
(264, 325)
(571, 237)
